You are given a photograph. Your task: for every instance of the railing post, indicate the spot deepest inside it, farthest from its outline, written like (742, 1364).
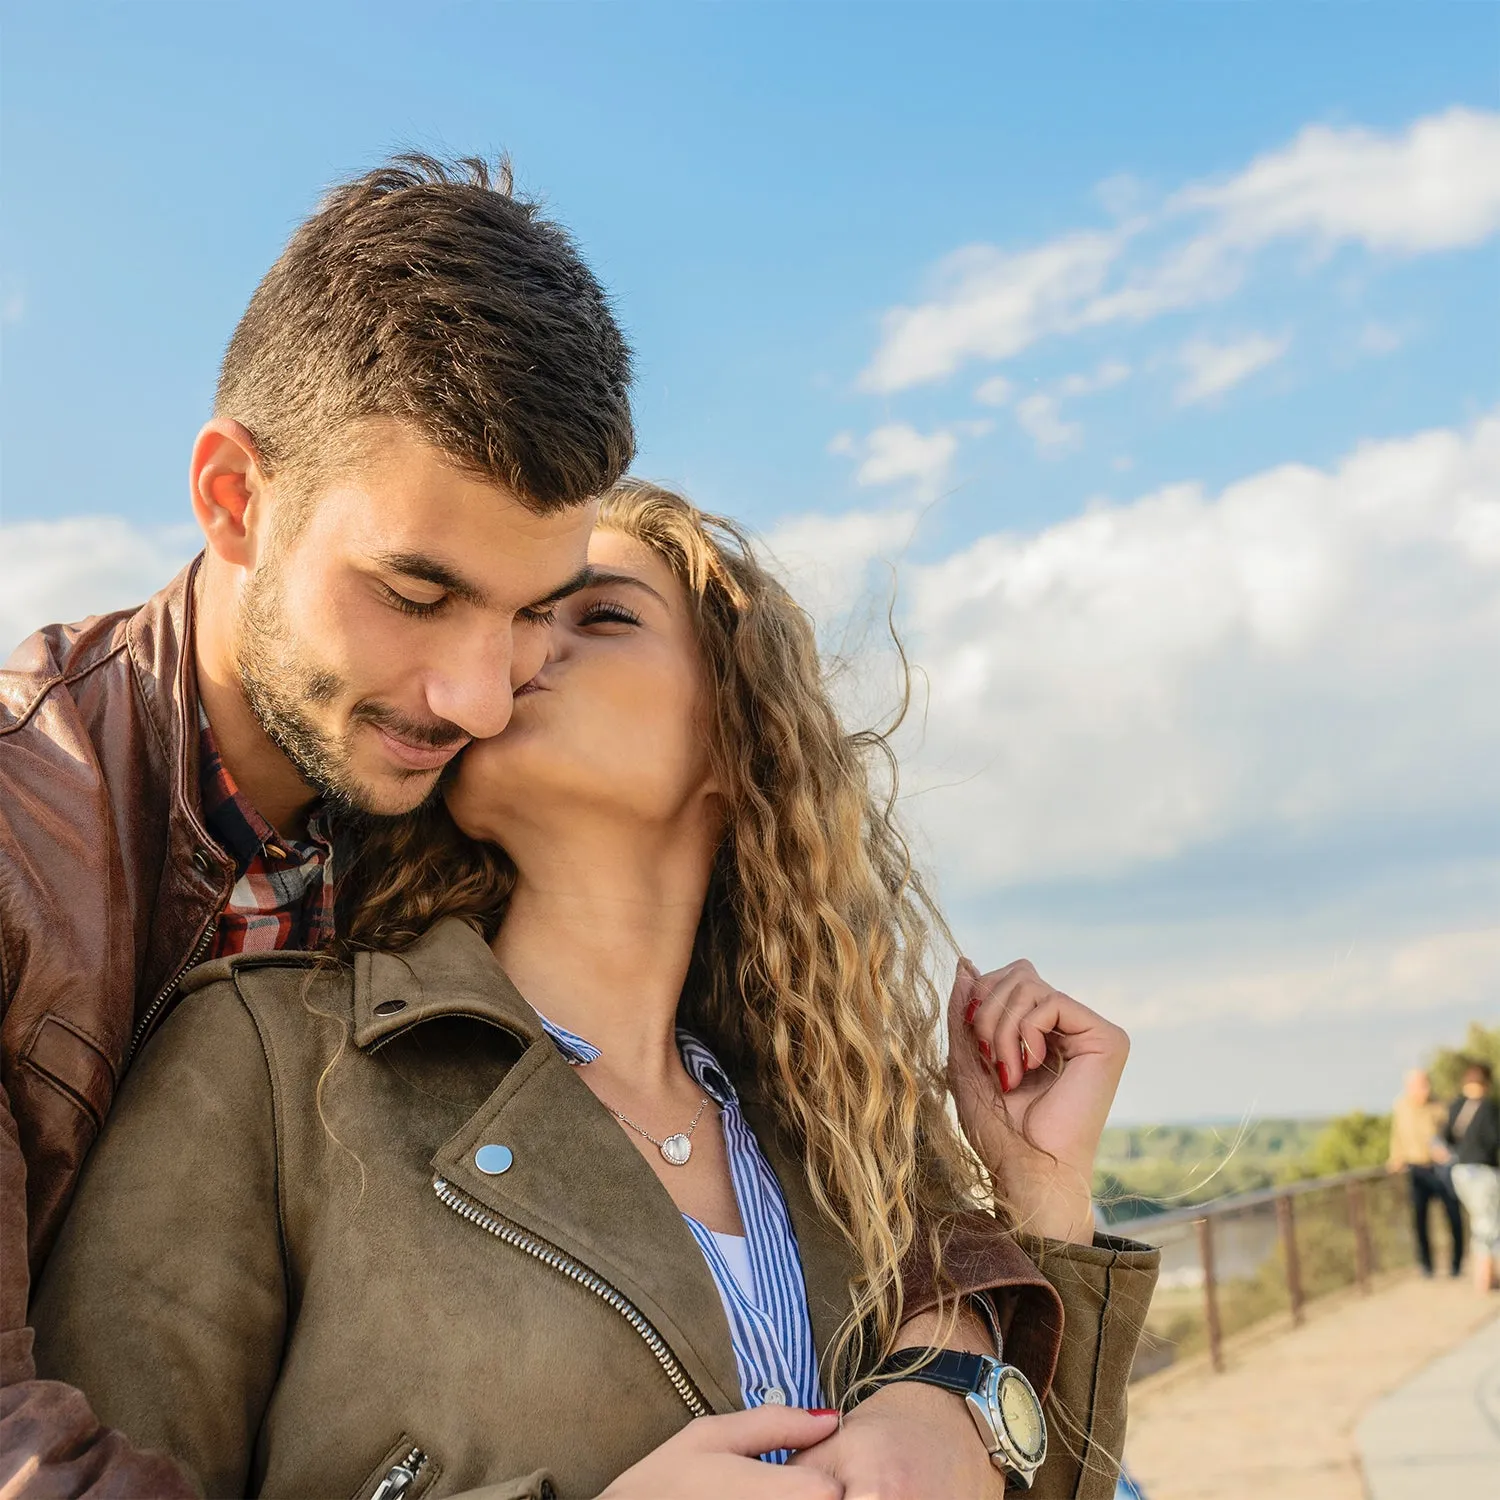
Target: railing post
(1361, 1226)
(1286, 1222)
(1210, 1294)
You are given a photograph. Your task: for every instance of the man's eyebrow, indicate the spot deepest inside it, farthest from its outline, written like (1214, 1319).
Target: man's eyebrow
(601, 576)
(430, 570)
(584, 578)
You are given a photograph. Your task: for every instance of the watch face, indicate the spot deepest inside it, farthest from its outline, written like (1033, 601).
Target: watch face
(1022, 1415)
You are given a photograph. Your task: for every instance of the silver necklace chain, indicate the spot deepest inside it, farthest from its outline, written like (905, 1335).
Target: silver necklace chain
(676, 1148)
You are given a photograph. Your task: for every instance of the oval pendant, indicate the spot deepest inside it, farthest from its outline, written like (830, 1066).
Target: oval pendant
(677, 1149)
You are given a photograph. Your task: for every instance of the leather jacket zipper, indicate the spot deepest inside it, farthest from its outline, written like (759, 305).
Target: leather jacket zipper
(144, 1025)
(559, 1260)
(399, 1478)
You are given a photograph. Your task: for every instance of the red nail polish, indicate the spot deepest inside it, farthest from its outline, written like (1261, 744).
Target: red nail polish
(984, 1048)
(822, 1411)
(1004, 1078)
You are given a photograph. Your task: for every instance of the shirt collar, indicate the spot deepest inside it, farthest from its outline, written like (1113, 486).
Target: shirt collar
(235, 822)
(701, 1064)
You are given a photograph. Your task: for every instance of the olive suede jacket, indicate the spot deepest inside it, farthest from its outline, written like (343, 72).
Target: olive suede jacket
(284, 1269)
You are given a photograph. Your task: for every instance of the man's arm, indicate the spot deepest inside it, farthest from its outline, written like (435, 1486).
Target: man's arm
(52, 1446)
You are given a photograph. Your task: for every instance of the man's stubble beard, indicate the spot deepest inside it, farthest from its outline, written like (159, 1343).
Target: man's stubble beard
(280, 685)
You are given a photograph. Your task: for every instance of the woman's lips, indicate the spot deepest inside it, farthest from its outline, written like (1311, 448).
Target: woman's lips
(418, 757)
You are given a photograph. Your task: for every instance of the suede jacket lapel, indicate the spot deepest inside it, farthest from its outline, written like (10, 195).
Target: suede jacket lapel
(574, 1180)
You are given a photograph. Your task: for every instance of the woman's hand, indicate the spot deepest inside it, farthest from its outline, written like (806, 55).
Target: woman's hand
(717, 1456)
(1019, 1050)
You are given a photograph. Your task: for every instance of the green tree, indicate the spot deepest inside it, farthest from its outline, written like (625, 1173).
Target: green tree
(1350, 1141)
(1447, 1069)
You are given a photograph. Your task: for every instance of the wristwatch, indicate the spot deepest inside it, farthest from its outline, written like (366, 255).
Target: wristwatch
(1001, 1400)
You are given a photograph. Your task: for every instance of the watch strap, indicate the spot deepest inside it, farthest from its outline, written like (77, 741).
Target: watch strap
(963, 1374)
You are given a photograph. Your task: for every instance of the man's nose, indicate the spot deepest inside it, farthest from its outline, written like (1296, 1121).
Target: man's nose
(475, 688)
(531, 646)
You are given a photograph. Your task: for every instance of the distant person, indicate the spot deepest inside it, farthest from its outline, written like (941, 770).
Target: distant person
(1417, 1148)
(1473, 1130)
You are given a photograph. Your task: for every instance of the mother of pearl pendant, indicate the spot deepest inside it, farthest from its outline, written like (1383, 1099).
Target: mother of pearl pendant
(677, 1149)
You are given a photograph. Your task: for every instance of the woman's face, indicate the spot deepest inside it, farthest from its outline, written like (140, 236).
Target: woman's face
(611, 726)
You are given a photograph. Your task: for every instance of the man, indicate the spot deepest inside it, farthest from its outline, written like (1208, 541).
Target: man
(413, 416)
(1417, 1124)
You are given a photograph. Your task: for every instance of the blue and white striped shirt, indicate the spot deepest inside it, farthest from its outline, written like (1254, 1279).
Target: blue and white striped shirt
(768, 1321)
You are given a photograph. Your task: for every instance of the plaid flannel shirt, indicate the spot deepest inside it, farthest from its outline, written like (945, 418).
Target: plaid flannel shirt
(283, 889)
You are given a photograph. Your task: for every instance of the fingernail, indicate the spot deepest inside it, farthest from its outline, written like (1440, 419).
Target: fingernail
(1004, 1078)
(984, 1048)
(822, 1411)
(969, 1010)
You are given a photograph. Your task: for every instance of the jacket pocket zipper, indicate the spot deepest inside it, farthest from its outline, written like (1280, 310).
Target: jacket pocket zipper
(143, 1027)
(399, 1478)
(559, 1260)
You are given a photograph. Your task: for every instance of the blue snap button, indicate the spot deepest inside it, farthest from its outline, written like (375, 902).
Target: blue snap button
(492, 1160)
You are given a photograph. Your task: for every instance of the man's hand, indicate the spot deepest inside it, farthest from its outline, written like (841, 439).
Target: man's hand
(908, 1442)
(911, 1441)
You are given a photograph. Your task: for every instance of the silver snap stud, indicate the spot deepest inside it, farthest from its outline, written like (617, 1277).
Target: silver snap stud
(493, 1159)
(390, 1007)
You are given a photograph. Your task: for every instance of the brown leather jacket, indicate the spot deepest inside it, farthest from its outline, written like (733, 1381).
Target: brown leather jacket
(109, 887)
(109, 890)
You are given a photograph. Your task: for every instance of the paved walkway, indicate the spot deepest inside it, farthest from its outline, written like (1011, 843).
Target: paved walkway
(1439, 1434)
(1281, 1421)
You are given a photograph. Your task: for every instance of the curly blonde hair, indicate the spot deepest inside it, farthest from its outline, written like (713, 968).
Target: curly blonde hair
(811, 968)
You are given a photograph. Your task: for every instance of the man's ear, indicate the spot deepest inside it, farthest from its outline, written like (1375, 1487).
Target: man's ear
(229, 490)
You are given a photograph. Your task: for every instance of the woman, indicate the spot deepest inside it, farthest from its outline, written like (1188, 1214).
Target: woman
(447, 1239)
(1473, 1131)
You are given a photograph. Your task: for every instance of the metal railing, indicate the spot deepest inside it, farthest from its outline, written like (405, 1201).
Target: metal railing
(1239, 1261)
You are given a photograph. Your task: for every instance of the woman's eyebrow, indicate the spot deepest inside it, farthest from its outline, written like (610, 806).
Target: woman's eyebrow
(603, 576)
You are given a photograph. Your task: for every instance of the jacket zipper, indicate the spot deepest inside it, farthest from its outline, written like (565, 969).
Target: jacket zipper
(143, 1027)
(558, 1260)
(399, 1478)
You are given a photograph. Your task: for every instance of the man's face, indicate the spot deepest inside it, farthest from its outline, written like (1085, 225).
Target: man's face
(390, 629)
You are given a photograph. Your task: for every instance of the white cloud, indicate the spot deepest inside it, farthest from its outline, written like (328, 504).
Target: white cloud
(898, 453)
(1124, 707)
(1302, 650)
(1143, 680)
(1213, 368)
(995, 391)
(1389, 974)
(1380, 338)
(1435, 186)
(84, 565)
(990, 305)
(1040, 416)
(1112, 372)
(826, 560)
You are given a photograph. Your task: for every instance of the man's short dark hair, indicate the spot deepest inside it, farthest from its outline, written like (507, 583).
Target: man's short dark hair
(429, 292)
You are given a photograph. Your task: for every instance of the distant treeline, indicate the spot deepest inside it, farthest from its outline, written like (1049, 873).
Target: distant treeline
(1145, 1169)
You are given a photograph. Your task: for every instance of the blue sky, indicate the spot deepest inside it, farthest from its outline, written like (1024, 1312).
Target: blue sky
(1039, 303)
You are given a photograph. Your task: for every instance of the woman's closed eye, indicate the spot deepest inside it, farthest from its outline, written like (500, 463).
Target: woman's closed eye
(607, 612)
